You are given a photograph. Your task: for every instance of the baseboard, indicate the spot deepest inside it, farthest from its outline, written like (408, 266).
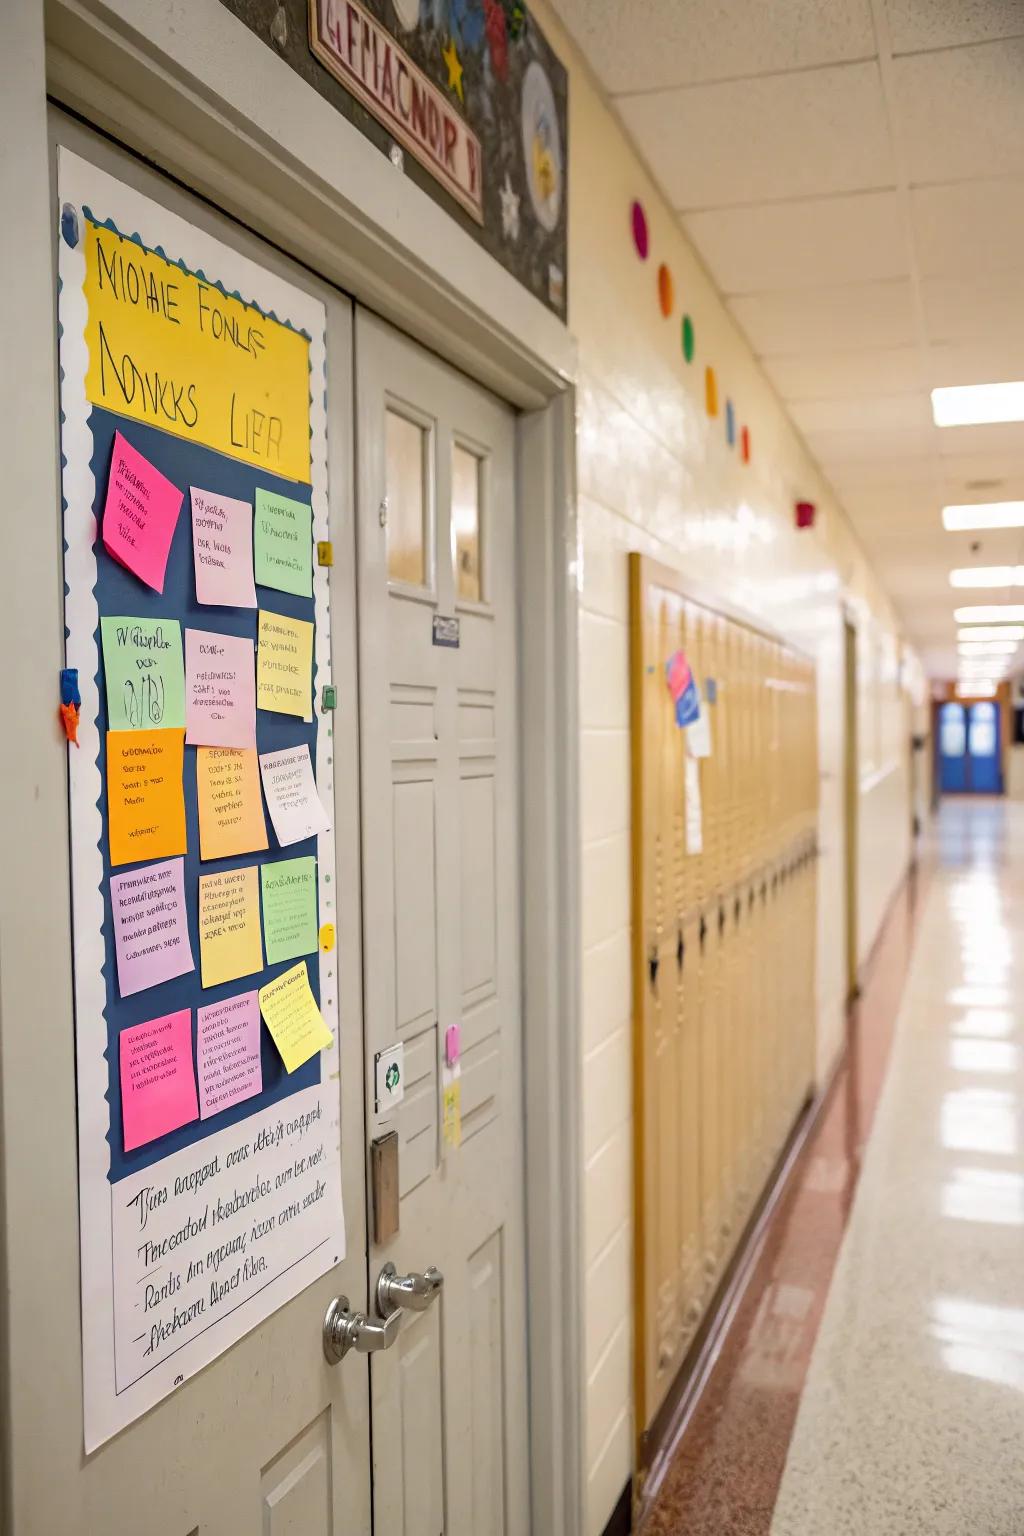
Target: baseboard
(620, 1521)
(673, 1417)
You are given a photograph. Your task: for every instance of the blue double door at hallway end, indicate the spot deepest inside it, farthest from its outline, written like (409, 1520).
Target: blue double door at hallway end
(970, 761)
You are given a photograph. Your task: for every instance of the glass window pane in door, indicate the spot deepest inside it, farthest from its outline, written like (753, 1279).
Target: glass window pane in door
(406, 480)
(952, 732)
(982, 730)
(466, 532)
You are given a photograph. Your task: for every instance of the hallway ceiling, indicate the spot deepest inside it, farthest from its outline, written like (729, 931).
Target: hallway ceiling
(852, 173)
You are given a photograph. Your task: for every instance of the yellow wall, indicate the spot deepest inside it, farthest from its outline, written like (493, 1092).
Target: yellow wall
(655, 474)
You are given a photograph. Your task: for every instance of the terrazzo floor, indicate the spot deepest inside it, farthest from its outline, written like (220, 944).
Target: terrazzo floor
(912, 1416)
(872, 1380)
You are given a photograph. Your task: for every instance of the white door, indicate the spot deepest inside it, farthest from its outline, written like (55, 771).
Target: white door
(437, 650)
(267, 1438)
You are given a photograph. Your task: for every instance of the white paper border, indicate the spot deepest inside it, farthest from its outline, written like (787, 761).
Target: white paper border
(80, 183)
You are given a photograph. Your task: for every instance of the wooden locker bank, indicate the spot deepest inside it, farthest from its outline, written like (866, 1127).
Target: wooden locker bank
(725, 810)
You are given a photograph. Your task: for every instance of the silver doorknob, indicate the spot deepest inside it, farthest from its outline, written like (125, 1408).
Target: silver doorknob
(413, 1292)
(345, 1330)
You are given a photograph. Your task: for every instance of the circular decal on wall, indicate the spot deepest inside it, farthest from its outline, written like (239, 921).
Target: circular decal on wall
(542, 146)
(408, 13)
(665, 290)
(638, 220)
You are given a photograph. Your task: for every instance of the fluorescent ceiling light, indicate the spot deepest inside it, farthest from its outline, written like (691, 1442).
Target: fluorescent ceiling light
(971, 405)
(987, 576)
(984, 688)
(992, 632)
(988, 514)
(990, 613)
(987, 647)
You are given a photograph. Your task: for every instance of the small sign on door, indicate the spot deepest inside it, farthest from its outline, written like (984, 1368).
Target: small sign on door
(446, 630)
(389, 1078)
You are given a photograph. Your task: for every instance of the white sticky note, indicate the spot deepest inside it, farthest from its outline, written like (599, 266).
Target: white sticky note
(692, 806)
(292, 800)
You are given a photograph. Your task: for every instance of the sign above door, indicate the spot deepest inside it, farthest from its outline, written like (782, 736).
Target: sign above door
(466, 95)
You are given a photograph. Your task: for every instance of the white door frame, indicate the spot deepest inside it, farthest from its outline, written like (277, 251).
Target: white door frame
(211, 105)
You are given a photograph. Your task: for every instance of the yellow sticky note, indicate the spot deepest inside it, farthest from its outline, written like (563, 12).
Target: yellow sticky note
(230, 805)
(230, 941)
(145, 796)
(229, 377)
(293, 1018)
(284, 665)
(452, 1112)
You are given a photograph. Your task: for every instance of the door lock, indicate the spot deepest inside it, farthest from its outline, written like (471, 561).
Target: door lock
(412, 1292)
(345, 1330)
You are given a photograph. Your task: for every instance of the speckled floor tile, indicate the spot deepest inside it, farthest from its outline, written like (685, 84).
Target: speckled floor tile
(912, 1417)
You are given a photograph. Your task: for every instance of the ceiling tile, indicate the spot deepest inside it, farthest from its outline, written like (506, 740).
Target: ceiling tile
(891, 413)
(828, 319)
(969, 227)
(986, 311)
(749, 141)
(788, 245)
(963, 363)
(869, 445)
(962, 111)
(653, 43)
(914, 25)
(845, 375)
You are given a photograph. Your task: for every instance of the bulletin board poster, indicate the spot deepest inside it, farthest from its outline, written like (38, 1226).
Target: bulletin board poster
(193, 437)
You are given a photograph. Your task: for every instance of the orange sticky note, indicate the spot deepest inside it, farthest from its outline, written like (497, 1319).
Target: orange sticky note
(230, 805)
(145, 797)
(230, 940)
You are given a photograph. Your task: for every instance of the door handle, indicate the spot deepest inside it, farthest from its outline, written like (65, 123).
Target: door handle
(345, 1330)
(412, 1292)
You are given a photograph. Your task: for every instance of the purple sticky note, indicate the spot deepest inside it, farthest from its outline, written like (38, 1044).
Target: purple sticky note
(220, 689)
(158, 1085)
(150, 925)
(228, 1052)
(140, 514)
(222, 548)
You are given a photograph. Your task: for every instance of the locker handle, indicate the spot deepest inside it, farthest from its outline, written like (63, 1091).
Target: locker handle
(680, 949)
(737, 909)
(652, 963)
(721, 920)
(703, 931)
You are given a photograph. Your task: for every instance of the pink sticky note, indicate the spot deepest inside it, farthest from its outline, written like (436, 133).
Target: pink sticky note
(222, 548)
(140, 514)
(158, 1085)
(220, 690)
(452, 1044)
(228, 1053)
(150, 925)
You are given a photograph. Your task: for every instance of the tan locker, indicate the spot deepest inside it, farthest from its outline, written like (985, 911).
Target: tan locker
(723, 953)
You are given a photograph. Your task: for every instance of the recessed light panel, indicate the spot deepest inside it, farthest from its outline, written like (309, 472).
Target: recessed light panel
(990, 613)
(989, 514)
(987, 576)
(984, 688)
(972, 405)
(987, 647)
(992, 632)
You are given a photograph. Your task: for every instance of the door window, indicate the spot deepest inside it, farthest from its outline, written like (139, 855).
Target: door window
(407, 455)
(467, 537)
(952, 732)
(982, 730)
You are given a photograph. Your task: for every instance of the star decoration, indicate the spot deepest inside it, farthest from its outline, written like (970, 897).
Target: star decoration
(509, 210)
(454, 64)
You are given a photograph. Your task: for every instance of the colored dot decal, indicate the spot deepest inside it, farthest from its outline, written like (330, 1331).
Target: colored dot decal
(745, 445)
(640, 236)
(730, 423)
(688, 338)
(710, 392)
(665, 290)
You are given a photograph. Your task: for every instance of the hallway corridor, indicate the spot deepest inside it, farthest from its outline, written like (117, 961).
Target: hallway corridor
(870, 1384)
(912, 1416)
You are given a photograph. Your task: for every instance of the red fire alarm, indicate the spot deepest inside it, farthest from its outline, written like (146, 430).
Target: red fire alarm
(805, 511)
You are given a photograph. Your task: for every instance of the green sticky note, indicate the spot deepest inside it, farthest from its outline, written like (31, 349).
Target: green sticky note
(283, 544)
(289, 909)
(145, 674)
